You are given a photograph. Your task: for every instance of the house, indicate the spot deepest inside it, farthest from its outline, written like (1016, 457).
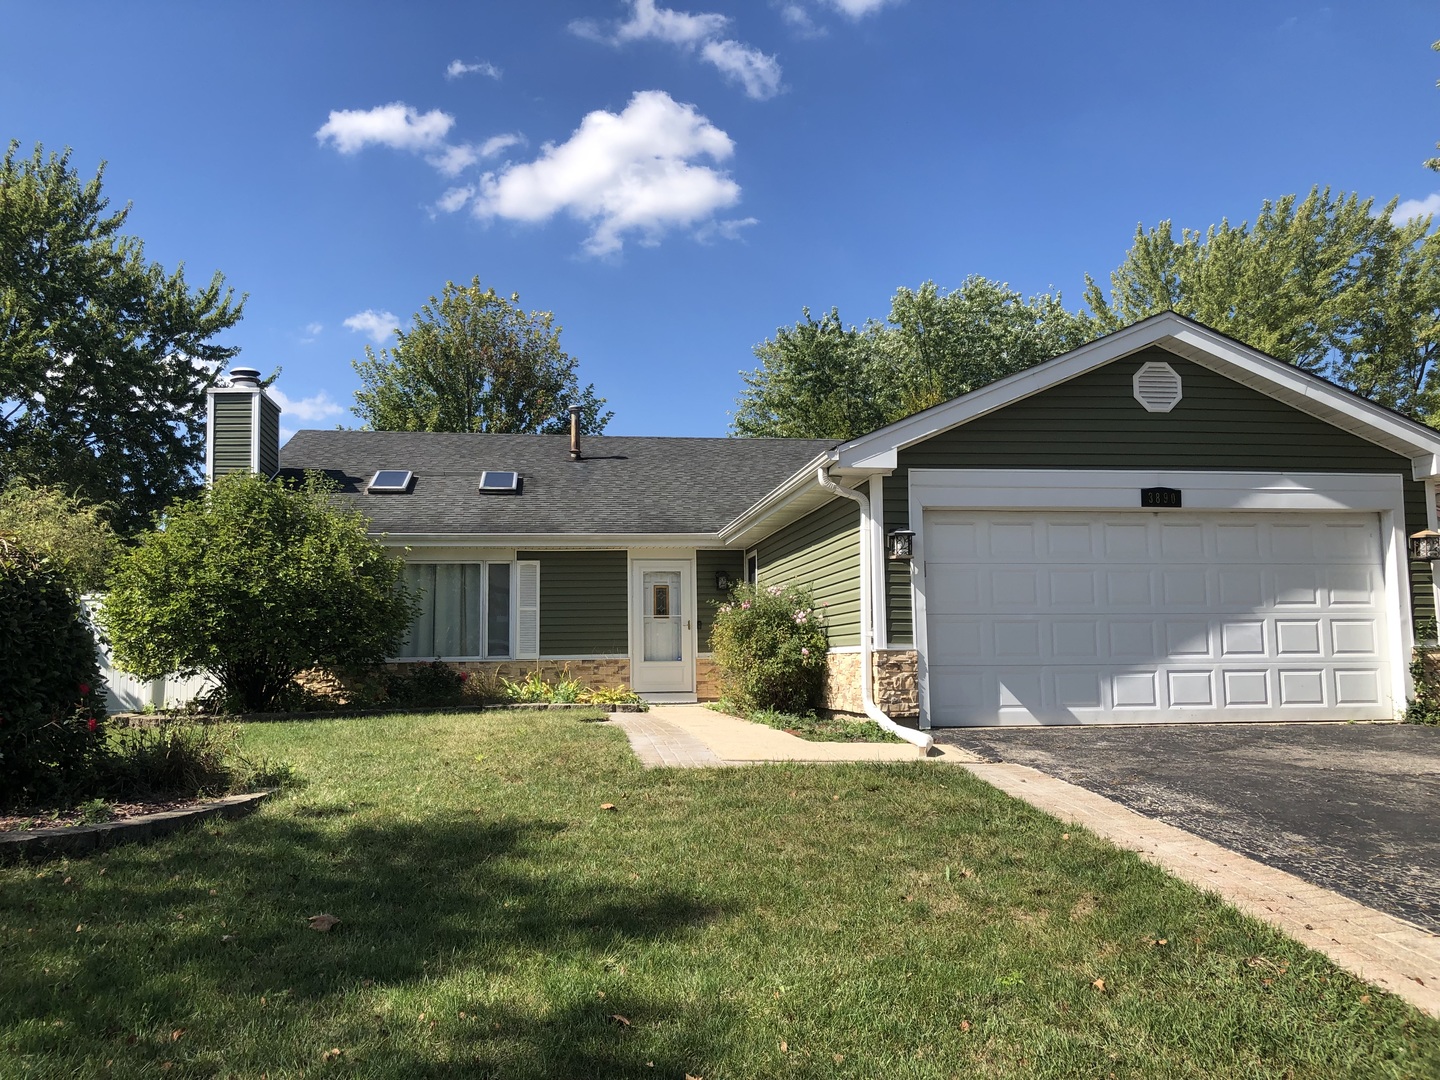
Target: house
(1163, 525)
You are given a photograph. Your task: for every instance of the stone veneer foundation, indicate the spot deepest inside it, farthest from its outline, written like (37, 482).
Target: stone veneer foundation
(894, 674)
(611, 671)
(707, 679)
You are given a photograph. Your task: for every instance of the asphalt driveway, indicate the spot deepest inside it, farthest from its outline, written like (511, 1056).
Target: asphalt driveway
(1350, 807)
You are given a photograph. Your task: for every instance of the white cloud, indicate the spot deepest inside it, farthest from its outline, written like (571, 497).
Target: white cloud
(758, 73)
(800, 20)
(310, 409)
(662, 24)
(725, 230)
(1411, 209)
(311, 332)
(376, 325)
(632, 172)
(498, 144)
(454, 198)
(396, 125)
(454, 160)
(459, 69)
(857, 8)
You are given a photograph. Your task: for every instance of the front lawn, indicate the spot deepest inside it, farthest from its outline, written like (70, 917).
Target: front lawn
(792, 920)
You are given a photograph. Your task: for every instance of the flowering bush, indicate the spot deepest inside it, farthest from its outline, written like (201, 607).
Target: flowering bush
(52, 706)
(769, 644)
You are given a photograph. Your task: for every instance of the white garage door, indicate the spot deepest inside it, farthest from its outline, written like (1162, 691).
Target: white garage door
(1144, 617)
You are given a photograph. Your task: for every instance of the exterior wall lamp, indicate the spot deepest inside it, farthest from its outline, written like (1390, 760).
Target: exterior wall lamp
(1425, 546)
(723, 581)
(900, 545)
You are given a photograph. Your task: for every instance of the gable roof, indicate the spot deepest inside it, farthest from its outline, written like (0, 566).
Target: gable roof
(622, 485)
(1184, 337)
(878, 452)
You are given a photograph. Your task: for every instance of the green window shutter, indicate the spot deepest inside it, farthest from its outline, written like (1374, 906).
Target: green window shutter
(527, 611)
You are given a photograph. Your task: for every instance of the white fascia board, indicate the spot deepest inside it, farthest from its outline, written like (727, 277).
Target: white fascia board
(1185, 338)
(777, 498)
(551, 541)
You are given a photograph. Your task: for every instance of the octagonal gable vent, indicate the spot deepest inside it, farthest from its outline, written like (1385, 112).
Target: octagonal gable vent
(1157, 386)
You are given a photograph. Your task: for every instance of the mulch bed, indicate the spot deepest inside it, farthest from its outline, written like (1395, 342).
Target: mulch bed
(59, 819)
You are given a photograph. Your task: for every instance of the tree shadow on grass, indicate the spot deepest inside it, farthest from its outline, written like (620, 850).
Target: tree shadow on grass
(194, 932)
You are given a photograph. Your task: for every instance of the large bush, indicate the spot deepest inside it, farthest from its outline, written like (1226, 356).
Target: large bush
(769, 644)
(52, 707)
(253, 582)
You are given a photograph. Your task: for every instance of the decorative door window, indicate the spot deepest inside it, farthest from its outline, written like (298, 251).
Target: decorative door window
(662, 617)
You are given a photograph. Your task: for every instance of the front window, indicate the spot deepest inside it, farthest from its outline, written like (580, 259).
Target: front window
(464, 611)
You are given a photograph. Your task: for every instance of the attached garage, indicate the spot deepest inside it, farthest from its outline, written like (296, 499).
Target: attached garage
(1161, 526)
(1075, 617)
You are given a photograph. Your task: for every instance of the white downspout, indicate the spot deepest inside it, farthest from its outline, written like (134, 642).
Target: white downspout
(867, 622)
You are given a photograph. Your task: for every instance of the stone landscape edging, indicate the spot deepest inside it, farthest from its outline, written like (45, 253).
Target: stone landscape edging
(81, 839)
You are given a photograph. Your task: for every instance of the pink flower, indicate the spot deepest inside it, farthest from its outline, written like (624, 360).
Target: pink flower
(91, 725)
(804, 651)
(745, 605)
(84, 688)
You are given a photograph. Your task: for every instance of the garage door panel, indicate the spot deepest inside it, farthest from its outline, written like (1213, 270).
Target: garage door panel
(1078, 618)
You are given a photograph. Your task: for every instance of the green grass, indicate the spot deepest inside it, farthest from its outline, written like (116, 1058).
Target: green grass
(798, 920)
(812, 727)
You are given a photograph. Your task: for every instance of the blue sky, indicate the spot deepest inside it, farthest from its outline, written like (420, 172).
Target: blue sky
(676, 182)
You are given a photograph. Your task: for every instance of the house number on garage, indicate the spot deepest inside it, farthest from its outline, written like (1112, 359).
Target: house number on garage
(1153, 497)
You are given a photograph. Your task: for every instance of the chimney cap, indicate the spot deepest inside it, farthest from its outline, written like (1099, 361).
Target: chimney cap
(243, 376)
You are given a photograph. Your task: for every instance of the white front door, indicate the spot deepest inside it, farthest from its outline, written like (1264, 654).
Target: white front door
(1064, 618)
(662, 627)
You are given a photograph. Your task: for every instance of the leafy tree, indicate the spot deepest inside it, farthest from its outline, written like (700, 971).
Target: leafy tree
(1327, 283)
(948, 344)
(52, 706)
(104, 357)
(1434, 162)
(71, 534)
(475, 361)
(816, 380)
(819, 379)
(254, 581)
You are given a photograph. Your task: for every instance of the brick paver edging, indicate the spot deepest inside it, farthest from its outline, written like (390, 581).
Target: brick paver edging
(1379, 948)
(79, 839)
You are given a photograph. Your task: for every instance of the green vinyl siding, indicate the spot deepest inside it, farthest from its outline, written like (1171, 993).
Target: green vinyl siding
(583, 602)
(1094, 422)
(269, 436)
(822, 551)
(230, 446)
(707, 564)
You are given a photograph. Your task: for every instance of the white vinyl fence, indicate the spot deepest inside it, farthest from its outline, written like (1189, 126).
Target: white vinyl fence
(125, 693)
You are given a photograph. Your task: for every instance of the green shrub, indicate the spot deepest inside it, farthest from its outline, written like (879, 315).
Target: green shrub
(186, 760)
(769, 645)
(428, 683)
(1424, 707)
(52, 707)
(255, 581)
(611, 695)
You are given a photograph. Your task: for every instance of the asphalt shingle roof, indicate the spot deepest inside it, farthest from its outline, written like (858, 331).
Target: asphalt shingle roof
(622, 484)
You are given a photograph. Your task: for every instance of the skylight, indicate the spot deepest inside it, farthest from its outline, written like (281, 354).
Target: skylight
(499, 481)
(390, 482)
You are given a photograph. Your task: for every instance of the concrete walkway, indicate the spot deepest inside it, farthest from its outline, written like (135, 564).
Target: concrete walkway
(692, 736)
(1389, 952)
